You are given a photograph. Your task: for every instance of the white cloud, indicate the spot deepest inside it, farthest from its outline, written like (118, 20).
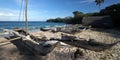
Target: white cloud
(86, 1)
(6, 14)
(13, 15)
(82, 2)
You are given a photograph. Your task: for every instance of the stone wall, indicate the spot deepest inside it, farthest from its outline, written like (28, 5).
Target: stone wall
(98, 21)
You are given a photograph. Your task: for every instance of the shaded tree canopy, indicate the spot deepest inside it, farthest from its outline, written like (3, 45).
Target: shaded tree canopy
(77, 17)
(77, 14)
(114, 12)
(58, 19)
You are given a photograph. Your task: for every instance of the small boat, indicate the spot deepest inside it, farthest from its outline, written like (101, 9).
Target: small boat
(27, 45)
(45, 29)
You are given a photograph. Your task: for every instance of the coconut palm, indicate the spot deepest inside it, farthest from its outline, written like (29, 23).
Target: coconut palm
(99, 2)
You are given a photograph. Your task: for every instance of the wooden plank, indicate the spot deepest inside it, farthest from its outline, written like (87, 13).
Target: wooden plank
(14, 39)
(8, 41)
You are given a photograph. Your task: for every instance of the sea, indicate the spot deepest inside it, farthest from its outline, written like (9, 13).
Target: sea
(32, 25)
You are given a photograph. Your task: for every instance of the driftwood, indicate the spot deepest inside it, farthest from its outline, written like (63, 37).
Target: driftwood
(90, 45)
(83, 43)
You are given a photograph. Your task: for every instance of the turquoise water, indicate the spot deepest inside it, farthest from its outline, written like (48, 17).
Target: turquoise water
(32, 24)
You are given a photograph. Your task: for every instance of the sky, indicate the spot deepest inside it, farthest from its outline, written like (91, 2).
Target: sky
(41, 10)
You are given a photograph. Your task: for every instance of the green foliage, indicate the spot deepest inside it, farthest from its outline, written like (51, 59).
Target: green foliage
(56, 20)
(68, 19)
(99, 2)
(111, 10)
(92, 14)
(77, 14)
(114, 12)
(77, 19)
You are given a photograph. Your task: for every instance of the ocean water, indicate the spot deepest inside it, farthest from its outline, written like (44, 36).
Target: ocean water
(31, 24)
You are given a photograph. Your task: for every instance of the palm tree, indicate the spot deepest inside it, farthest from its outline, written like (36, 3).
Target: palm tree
(99, 2)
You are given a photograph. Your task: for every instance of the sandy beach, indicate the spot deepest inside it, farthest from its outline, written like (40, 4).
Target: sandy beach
(59, 30)
(10, 52)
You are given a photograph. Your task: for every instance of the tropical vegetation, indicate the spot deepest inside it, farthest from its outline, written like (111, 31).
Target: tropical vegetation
(113, 11)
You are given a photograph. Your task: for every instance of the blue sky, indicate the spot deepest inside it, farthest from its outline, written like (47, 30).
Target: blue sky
(40, 10)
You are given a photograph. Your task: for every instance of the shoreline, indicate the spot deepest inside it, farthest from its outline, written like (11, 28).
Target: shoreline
(32, 24)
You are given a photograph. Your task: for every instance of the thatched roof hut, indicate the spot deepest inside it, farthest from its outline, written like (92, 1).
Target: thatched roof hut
(98, 21)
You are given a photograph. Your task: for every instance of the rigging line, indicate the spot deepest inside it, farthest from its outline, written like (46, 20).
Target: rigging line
(20, 12)
(23, 17)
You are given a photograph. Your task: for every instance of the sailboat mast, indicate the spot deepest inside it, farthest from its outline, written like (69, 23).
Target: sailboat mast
(26, 15)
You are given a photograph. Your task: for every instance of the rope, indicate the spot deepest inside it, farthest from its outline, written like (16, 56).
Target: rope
(20, 12)
(23, 17)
